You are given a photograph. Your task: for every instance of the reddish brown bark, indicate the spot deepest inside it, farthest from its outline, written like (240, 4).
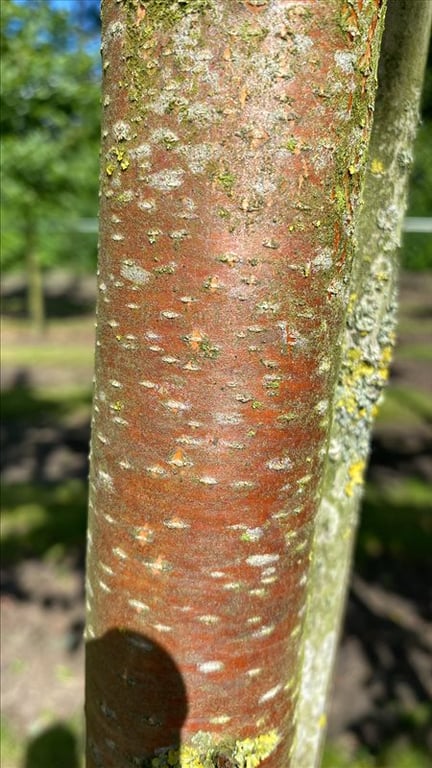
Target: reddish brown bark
(234, 140)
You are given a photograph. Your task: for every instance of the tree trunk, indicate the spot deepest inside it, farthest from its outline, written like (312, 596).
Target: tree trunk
(366, 354)
(234, 145)
(35, 295)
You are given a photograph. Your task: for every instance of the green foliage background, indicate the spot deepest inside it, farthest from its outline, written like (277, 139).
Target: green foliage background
(49, 126)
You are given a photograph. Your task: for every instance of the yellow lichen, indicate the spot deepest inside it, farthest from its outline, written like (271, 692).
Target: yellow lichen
(119, 156)
(386, 356)
(355, 472)
(383, 373)
(352, 302)
(204, 753)
(249, 753)
(348, 403)
(377, 167)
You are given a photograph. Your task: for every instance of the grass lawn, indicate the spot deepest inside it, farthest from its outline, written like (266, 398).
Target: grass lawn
(48, 522)
(43, 520)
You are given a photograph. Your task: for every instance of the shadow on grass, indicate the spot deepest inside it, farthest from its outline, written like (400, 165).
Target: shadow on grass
(396, 522)
(388, 619)
(55, 747)
(396, 647)
(43, 520)
(44, 435)
(22, 402)
(65, 295)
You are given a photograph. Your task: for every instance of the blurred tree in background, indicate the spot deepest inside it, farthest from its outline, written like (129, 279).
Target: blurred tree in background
(50, 136)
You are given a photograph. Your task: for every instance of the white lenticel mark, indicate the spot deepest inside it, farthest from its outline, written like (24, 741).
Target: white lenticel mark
(209, 619)
(280, 464)
(210, 666)
(176, 523)
(176, 405)
(206, 480)
(264, 631)
(170, 314)
(105, 480)
(270, 694)
(259, 561)
(254, 672)
(139, 605)
(162, 627)
(220, 719)
(120, 553)
(107, 568)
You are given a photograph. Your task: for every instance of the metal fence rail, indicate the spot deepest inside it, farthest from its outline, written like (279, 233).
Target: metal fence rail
(417, 224)
(411, 224)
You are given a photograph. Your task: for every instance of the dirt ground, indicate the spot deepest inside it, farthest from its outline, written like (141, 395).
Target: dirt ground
(383, 667)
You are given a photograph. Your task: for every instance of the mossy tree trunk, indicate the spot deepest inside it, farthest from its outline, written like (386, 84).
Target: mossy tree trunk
(368, 341)
(235, 140)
